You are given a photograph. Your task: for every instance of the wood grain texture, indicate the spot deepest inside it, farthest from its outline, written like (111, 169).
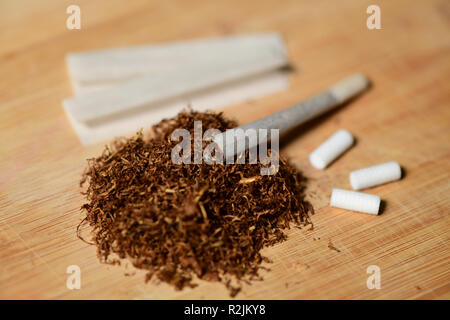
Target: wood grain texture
(404, 117)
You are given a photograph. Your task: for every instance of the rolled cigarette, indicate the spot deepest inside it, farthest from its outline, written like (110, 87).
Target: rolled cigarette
(331, 149)
(375, 175)
(355, 201)
(291, 117)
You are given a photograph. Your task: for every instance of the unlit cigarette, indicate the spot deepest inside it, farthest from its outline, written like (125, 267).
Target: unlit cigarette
(375, 175)
(332, 148)
(291, 117)
(355, 201)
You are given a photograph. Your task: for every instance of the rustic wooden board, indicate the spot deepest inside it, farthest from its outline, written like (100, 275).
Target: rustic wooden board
(404, 117)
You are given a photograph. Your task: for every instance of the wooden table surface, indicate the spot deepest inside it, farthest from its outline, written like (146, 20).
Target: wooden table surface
(404, 117)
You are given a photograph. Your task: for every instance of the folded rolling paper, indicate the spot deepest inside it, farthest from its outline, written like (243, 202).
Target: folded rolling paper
(122, 90)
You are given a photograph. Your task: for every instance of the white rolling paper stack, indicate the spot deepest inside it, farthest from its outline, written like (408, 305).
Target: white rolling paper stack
(122, 90)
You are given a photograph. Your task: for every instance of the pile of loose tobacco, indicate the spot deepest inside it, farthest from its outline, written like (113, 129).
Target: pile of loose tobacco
(181, 220)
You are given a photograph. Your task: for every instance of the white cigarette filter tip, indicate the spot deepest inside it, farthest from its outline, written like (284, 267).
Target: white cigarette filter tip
(332, 148)
(375, 175)
(355, 201)
(349, 87)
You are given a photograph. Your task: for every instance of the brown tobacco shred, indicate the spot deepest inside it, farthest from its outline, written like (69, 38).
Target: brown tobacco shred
(332, 247)
(176, 221)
